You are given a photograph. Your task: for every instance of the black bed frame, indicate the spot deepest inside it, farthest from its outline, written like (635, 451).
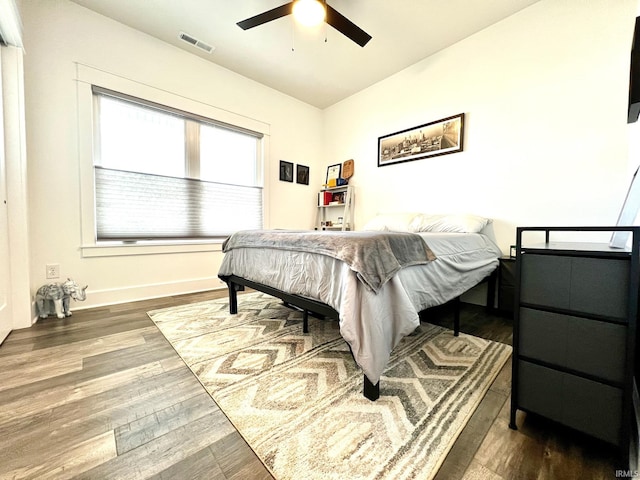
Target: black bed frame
(322, 310)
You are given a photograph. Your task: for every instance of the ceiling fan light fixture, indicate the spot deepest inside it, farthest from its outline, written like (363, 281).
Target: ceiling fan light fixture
(309, 12)
(323, 11)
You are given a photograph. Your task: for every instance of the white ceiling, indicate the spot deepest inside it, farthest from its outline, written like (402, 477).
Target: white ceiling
(297, 61)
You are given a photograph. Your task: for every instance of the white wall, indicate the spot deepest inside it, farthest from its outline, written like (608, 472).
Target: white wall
(545, 97)
(57, 35)
(544, 93)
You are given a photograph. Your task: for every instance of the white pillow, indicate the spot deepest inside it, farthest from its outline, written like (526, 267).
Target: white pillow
(459, 223)
(390, 222)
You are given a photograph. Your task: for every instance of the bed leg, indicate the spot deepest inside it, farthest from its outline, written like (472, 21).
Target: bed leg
(371, 391)
(233, 299)
(305, 321)
(456, 316)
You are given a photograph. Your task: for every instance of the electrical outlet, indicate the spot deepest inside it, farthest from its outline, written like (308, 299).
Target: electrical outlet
(53, 270)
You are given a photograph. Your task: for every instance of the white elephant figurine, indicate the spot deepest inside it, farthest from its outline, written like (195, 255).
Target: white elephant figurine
(55, 297)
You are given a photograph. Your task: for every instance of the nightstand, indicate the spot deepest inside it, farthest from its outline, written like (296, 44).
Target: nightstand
(506, 285)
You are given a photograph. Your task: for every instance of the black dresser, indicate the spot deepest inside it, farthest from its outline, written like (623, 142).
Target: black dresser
(575, 317)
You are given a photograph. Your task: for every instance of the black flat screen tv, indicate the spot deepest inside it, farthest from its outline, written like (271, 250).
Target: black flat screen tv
(631, 205)
(634, 76)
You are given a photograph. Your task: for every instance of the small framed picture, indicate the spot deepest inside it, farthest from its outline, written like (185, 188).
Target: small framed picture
(333, 171)
(302, 174)
(286, 171)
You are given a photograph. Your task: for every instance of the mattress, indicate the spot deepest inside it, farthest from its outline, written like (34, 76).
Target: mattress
(372, 323)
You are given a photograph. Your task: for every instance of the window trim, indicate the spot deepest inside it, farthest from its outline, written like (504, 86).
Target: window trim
(183, 114)
(87, 78)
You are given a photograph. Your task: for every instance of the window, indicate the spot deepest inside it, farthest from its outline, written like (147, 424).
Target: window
(161, 173)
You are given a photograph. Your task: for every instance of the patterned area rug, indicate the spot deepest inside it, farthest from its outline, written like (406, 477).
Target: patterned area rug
(297, 398)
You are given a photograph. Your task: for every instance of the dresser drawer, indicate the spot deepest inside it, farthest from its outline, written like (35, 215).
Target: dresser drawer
(545, 280)
(587, 346)
(582, 284)
(587, 406)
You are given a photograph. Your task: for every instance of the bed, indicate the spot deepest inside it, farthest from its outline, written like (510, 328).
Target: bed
(374, 314)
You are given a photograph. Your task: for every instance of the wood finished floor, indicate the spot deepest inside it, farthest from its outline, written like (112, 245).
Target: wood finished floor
(103, 395)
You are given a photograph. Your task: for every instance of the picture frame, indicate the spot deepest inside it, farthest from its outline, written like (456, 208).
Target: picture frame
(333, 171)
(286, 171)
(302, 174)
(431, 139)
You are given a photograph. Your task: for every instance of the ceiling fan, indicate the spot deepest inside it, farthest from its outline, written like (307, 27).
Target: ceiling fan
(329, 15)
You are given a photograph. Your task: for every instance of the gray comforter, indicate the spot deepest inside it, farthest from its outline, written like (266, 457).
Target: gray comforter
(374, 256)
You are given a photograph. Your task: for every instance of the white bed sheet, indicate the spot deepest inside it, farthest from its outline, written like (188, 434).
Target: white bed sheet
(373, 323)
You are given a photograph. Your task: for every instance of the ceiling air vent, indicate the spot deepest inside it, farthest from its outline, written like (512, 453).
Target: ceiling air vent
(195, 42)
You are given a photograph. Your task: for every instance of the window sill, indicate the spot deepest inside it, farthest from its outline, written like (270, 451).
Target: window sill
(149, 248)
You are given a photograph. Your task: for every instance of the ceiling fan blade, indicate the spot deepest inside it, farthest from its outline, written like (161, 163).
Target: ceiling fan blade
(346, 27)
(273, 14)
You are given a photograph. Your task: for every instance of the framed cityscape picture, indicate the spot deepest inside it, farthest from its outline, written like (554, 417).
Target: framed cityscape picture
(435, 138)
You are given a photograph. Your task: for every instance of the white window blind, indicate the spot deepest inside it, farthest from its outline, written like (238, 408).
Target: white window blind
(161, 173)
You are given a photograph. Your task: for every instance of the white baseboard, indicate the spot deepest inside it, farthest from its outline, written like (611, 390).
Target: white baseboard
(114, 296)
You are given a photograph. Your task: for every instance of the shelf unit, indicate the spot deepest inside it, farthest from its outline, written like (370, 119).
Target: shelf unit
(334, 204)
(575, 335)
